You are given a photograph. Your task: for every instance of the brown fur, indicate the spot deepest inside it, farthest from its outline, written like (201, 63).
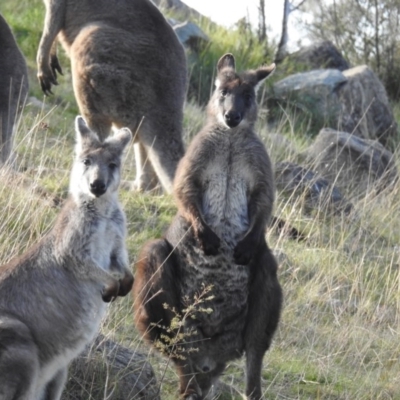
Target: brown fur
(224, 188)
(13, 87)
(127, 64)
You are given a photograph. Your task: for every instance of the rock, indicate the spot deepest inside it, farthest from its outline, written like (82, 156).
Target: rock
(184, 10)
(108, 370)
(353, 101)
(321, 54)
(354, 164)
(309, 189)
(190, 35)
(366, 111)
(313, 93)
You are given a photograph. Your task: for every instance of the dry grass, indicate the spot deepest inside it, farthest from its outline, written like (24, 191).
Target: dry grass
(338, 338)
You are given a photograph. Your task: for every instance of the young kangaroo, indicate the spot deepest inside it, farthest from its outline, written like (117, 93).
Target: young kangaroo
(224, 188)
(52, 297)
(13, 87)
(127, 64)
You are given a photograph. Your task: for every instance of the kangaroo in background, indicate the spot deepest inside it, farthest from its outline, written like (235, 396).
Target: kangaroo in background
(224, 189)
(13, 88)
(127, 64)
(52, 297)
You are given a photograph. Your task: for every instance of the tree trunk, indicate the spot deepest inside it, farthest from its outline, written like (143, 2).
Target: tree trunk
(262, 27)
(282, 46)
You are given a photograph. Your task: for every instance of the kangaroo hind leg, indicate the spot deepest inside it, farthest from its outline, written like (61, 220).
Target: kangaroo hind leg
(157, 304)
(19, 361)
(56, 385)
(265, 300)
(146, 178)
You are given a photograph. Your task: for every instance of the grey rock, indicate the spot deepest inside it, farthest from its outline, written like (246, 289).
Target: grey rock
(366, 111)
(354, 101)
(313, 92)
(310, 189)
(190, 35)
(353, 163)
(321, 54)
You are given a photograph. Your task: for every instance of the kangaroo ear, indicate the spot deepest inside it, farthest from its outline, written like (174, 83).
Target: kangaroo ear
(263, 73)
(122, 137)
(226, 61)
(84, 136)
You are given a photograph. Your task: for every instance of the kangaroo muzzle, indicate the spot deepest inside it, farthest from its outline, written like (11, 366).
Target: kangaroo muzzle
(232, 118)
(98, 187)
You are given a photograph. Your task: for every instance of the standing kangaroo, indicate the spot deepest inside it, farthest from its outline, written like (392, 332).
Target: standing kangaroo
(13, 88)
(224, 188)
(127, 64)
(52, 297)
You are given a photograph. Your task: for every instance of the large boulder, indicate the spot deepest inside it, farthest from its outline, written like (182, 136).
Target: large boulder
(356, 165)
(320, 55)
(366, 111)
(353, 101)
(108, 370)
(309, 94)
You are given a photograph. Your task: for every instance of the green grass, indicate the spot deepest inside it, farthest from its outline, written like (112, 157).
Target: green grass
(339, 334)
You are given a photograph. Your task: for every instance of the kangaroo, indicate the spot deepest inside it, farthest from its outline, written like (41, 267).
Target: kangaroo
(13, 88)
(224, 190)
(52, 298)
(128, 69)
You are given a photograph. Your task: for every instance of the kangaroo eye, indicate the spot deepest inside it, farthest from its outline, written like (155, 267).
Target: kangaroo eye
(86, 162)
(224, 92)
(112, 165)
(248, 97)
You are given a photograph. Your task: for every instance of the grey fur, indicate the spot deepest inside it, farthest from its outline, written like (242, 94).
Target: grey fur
(51, 297)
(225, 191)
(13, 88)
(127, 64)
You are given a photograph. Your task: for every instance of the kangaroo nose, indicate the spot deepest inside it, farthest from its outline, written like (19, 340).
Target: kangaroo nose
(98, 187)
(232, 118)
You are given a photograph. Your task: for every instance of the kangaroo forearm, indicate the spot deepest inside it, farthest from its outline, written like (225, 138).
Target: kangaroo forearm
(259, 213)
(119, 257)
(256, 229)
(189, 206)
(195, 217)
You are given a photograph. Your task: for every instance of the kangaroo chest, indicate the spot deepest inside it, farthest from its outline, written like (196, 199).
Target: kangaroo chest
(103, 241)
(98, 237)
(226, 182)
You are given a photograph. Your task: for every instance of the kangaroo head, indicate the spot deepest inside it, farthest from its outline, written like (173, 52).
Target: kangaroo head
(234, 99)
(97, 165)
